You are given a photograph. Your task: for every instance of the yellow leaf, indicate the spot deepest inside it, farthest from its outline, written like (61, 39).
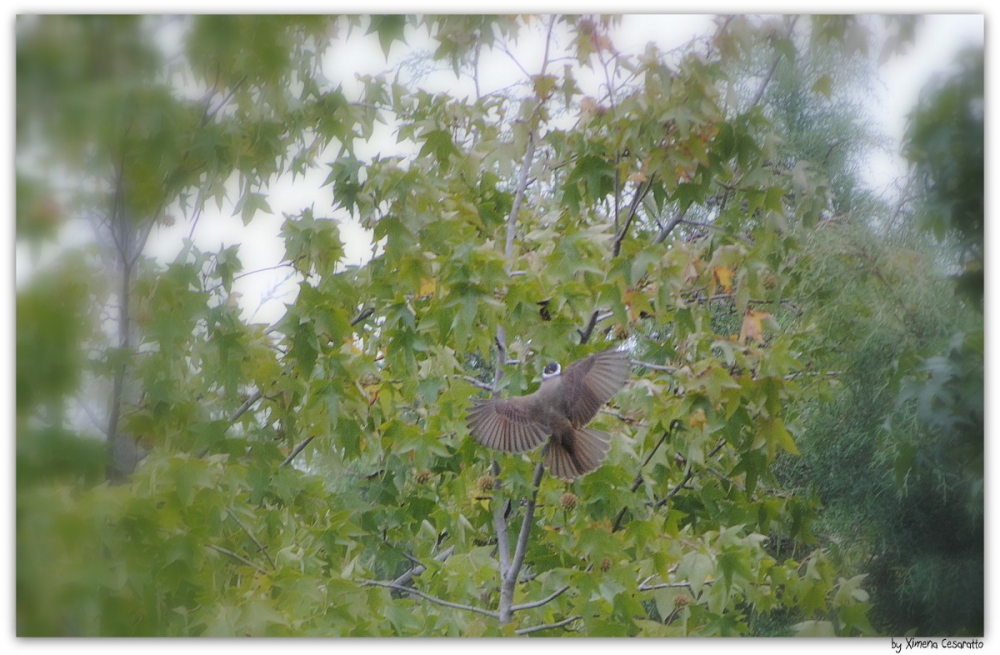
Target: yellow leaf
(638, 304)
(724, 278)
(427, 287)
(753, 327)
(698, 419)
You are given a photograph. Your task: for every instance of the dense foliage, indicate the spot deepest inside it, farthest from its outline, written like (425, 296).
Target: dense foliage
(315, 476)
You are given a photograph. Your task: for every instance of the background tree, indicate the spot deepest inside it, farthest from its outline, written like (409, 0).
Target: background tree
(896, 453)
(315, 476)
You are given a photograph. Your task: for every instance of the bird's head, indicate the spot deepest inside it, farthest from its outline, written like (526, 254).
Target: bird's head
(551, 370)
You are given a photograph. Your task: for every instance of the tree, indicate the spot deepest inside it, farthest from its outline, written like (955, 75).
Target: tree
(895, 454)
(315, 477)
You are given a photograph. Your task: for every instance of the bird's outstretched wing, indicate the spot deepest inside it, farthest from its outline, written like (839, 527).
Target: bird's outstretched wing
(506, 425)
(595, 380)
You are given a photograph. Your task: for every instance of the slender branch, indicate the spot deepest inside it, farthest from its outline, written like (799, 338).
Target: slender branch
(595, 318)
(687, 477)
(547, 626)
(586, 332)
(667, 585)
(420, 568)
(526, 525)
(640, 193)
(500, 525)
(241, 410)
(669, 227)
(539, 603)
(509, 574)
(259, 545)
(261, 270)
(638, 475)
(433, 599)
(298, 449)
(236, 556)
(653, 367)
(210, 114)
(368, 311)
(722, 476)
(774, 66)
(474, 382)
(144, 236)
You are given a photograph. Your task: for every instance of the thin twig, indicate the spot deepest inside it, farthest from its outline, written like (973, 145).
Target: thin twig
(586, 332)
(774, 66)
(474, 382)
(259, 545)
(226, 551)
(433, 599)
(547, 626)
(669, 227)
(362, 316)
(539, 603)
(526, 525)
(254, 397)
(653, 367)
(638, 475)
(667, 585)
(640, 193)
(298, 449)
(420, 568)
(500, 525)
(722, 476)
(687, 477)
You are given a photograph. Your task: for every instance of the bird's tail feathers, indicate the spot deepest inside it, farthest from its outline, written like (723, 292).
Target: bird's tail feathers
(590, 448)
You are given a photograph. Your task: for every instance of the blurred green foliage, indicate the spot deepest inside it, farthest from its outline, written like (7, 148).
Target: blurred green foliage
(290, 466)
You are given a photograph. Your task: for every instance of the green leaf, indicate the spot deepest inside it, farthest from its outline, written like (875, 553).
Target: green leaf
(389, 29)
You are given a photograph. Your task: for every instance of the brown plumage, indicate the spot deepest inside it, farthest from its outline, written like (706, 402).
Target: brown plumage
(556, 413)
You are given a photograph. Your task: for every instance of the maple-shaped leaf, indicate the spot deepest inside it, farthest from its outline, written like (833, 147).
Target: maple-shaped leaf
(753, 326)
(724, 278)
(427, 287)
(389, 28)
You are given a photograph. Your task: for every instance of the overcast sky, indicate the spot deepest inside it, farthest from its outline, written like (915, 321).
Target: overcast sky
(939, 38)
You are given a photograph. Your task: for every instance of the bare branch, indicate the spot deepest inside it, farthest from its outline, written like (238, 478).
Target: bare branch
(539, 603)
(261, 270)
(653, 367)
(500, 525)
(547, 626)
(586, 332)
(722, 476)
(433, 599)
(240, 558)
(526, 525)
(666, 585)
(774, 66)
(298, 449)
(245, 406)
(368, 311)
(474, 382)
(687, 477)
(595, 318)
(420, 568)
(669, 227)
(638, 475)
(259, 545)
(640, 193)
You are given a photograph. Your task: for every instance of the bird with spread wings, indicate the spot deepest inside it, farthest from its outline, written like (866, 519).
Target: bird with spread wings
(557, 414)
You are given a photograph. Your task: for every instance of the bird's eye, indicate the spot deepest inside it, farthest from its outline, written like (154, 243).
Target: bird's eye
(551, 369)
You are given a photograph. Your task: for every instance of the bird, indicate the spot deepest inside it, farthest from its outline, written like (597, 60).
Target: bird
(556, 414)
